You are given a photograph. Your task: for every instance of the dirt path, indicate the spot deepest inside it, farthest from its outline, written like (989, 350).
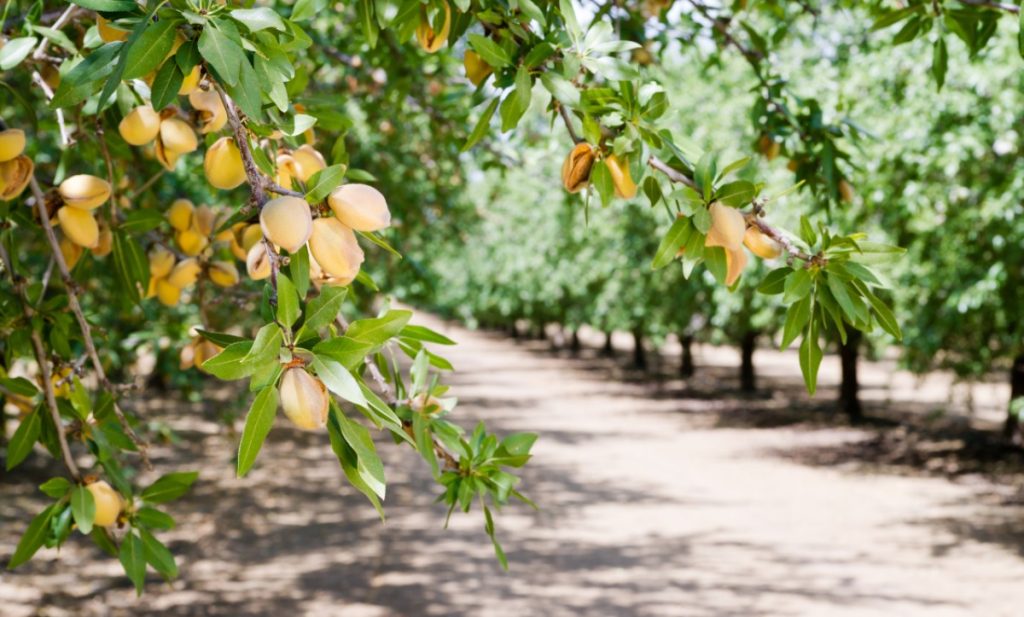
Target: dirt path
(649, 507)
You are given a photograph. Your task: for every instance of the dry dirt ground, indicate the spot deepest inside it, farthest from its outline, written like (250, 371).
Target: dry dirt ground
(657, 498)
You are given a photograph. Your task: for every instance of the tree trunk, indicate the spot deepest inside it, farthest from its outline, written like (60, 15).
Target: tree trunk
(686, 359)
(748, 381)
(639, 353)
(574, 343)
(1011, 430)
(608, 350)
(513, 330)
(849, 399)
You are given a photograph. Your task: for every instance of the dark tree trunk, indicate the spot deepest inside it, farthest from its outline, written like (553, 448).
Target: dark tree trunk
(748, 380)
(513, 330)
(639, 353)
(574, 343)
(686, 367)
(608, 350)
(849, 395)
(1011, 430)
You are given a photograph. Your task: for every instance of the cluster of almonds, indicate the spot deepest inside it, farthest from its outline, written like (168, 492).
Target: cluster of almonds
(81, 195)
(15, 168)
(431, 40)
(729, 230)
(580, 162)
(170, 135)
(194, 232)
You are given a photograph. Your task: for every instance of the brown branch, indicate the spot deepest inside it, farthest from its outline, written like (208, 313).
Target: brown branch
(76, 308)
(670, 172)
(568, 124)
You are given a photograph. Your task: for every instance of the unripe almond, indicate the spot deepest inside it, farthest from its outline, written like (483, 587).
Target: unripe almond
(727, 227)
(105, 243)
(167, 294)
(735, 261)
(203, 220)
(108, 503)
(15, 175)
(107, 32)
(70, 251)
(476, 69)
(760, 244)
(191, 82)
(287, 222)
(84, 191)
(212, 114)
(224, 274)
(177, 136)
(257, 262)
(191, 242)
(335, 248)
(846, 192)
(185, 273)
(140, 126)
(621, 178)
(161, 262)
(577, 166)
(307, 162)
(286, 170)
(79, 226)
(428, 39)
(360, 206)
(203, 350)
(167, 157)
(179, 215)
(768, 147)
(12, 144)
(223, 164)
(304, 399)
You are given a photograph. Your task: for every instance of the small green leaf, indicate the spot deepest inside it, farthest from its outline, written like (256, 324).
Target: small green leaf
(169, 487)
(287, 301)
(83, 508)
(774, 282)
(797, 317)
(24, 438)
(492, 53)
(810, 358)
(482, 125)
(257, 425)
(324, 308)
(338, 380)
(223, 54)
(33, 537)
(133, 560)
(166, 85)
(157, 555)
(150, 49)
(260, 18)
(798, 285)
(55, 487)
(379, 329)
(229, 364)
(674, 240)
(323, 182)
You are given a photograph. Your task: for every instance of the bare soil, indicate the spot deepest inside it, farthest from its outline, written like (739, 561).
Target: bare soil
(658, 497)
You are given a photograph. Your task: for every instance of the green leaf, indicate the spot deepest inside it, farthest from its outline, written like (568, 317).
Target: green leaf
(369, 465)
(379, 329)
(807, 232)
(169, 487)
(323, 182)
(298, 270)
(422, 333)
(704, 175)
(166, 85)
(482, 125)
(561, 88)
(24, 438)
(154, 519)
(287, 301)
(157, 555)
(338, 380)
(150, 49)
(33, 537)
(221, 338)
(324, 308)
(492, 53)
(348, 352)
(810, 358)
(266, 346)
(517, 101)
(774, 282)
(797, 317)
(842, 296)
(83, 508)
(883, 313)
(16, 50)
(714, 257)
(257, 425)
(108, 6)
(223, 54)
(350, 461)
(19, 386)
(230, 363)
(601, 180)
(940, 61)
(246, 93)
(736, 194)
(798, 285)
(674, 240)
(260, 18)
(131, 266)
(86, 77)
(133, 560)
(55, 487)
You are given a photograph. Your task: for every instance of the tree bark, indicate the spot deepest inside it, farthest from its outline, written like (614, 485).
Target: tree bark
(849, 395)
(639, 353)
(748, 380)
(686, 367)
(1011, 429)
(608, 350)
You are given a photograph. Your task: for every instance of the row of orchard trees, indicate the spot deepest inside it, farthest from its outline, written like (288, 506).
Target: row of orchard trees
(927, 160)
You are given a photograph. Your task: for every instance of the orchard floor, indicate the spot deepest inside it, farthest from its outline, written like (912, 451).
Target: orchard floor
(658, 497)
